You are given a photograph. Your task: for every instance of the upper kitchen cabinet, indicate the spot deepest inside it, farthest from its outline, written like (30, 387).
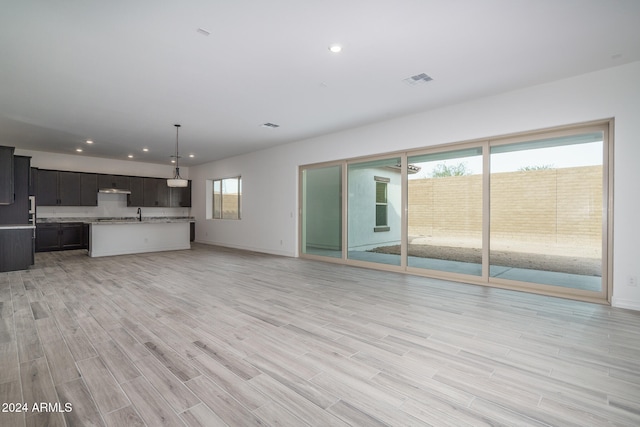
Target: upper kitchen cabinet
(88, 189)
(6, 175)
(180, 197)
(62, 188)
(46, 183)
(156, 192)
(136, 198)
(18, 211)
(119, 182)
(68, 188)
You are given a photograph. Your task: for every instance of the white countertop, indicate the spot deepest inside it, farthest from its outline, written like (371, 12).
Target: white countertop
(122, 220)
(135, 221)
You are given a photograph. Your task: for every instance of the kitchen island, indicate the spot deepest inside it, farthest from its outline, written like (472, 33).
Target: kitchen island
(130, 236)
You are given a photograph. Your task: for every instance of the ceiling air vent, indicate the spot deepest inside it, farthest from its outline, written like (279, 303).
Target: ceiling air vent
(418, 79)
(270, 125)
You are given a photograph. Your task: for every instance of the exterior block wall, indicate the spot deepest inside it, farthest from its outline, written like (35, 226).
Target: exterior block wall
(558, 206)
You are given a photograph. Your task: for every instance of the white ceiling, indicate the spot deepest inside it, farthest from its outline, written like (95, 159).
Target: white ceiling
(122, 72)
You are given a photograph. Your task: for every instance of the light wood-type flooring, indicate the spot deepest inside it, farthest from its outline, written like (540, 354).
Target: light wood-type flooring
(213, 336)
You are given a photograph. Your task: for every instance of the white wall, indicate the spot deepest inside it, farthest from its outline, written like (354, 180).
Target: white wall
(270, 177)
(109, 205)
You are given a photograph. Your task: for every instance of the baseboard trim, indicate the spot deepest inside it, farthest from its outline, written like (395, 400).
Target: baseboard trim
(246, 248)
(625, 303)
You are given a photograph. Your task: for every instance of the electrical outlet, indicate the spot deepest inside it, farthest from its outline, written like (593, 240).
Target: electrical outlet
(632, 280)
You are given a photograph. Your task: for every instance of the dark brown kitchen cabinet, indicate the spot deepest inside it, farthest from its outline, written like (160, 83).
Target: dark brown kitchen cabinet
(6, 175)
(18, 211)
(88, 189)
(71, 236)
(46, 187)
(59, 236)
(136, 198)
(63, 188)
(120, 182)
(156, 192)
(16, 249)
(86, 229)
(180, 197)
(68, 188)
(47, 237)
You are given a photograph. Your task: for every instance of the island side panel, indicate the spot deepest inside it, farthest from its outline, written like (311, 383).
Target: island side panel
(131, 238)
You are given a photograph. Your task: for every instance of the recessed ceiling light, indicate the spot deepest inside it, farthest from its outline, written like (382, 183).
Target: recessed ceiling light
(335, 48)
(192, 155)
(145, 149)
(79, 150)
(89, 141)
(173, 161)
(130, 156)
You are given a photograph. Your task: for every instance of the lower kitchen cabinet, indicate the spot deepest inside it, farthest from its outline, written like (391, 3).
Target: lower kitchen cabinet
(60, 236)
(16, 249)
(47, 237)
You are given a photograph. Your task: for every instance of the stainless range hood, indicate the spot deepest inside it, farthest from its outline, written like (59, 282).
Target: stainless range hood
(114, 191)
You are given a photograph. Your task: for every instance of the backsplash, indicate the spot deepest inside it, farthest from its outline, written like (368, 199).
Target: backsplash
(109, 206)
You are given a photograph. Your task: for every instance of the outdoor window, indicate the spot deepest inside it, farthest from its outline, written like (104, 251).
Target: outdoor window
(381, 204)
(227, 193)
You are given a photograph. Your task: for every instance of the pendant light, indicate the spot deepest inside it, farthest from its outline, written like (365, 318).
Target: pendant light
(177, 181)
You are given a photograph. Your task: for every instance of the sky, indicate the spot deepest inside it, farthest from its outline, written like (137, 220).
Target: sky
(564, 156)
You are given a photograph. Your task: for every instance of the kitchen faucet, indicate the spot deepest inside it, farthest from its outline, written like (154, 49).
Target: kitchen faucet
(139, 214)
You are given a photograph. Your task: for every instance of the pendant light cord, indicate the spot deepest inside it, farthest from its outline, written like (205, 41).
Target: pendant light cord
(177, 174)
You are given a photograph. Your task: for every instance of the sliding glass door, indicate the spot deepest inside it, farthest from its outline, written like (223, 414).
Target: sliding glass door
(546, 211)
(374, 211)
(321, 218)
(529, 212)
(445, 211)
